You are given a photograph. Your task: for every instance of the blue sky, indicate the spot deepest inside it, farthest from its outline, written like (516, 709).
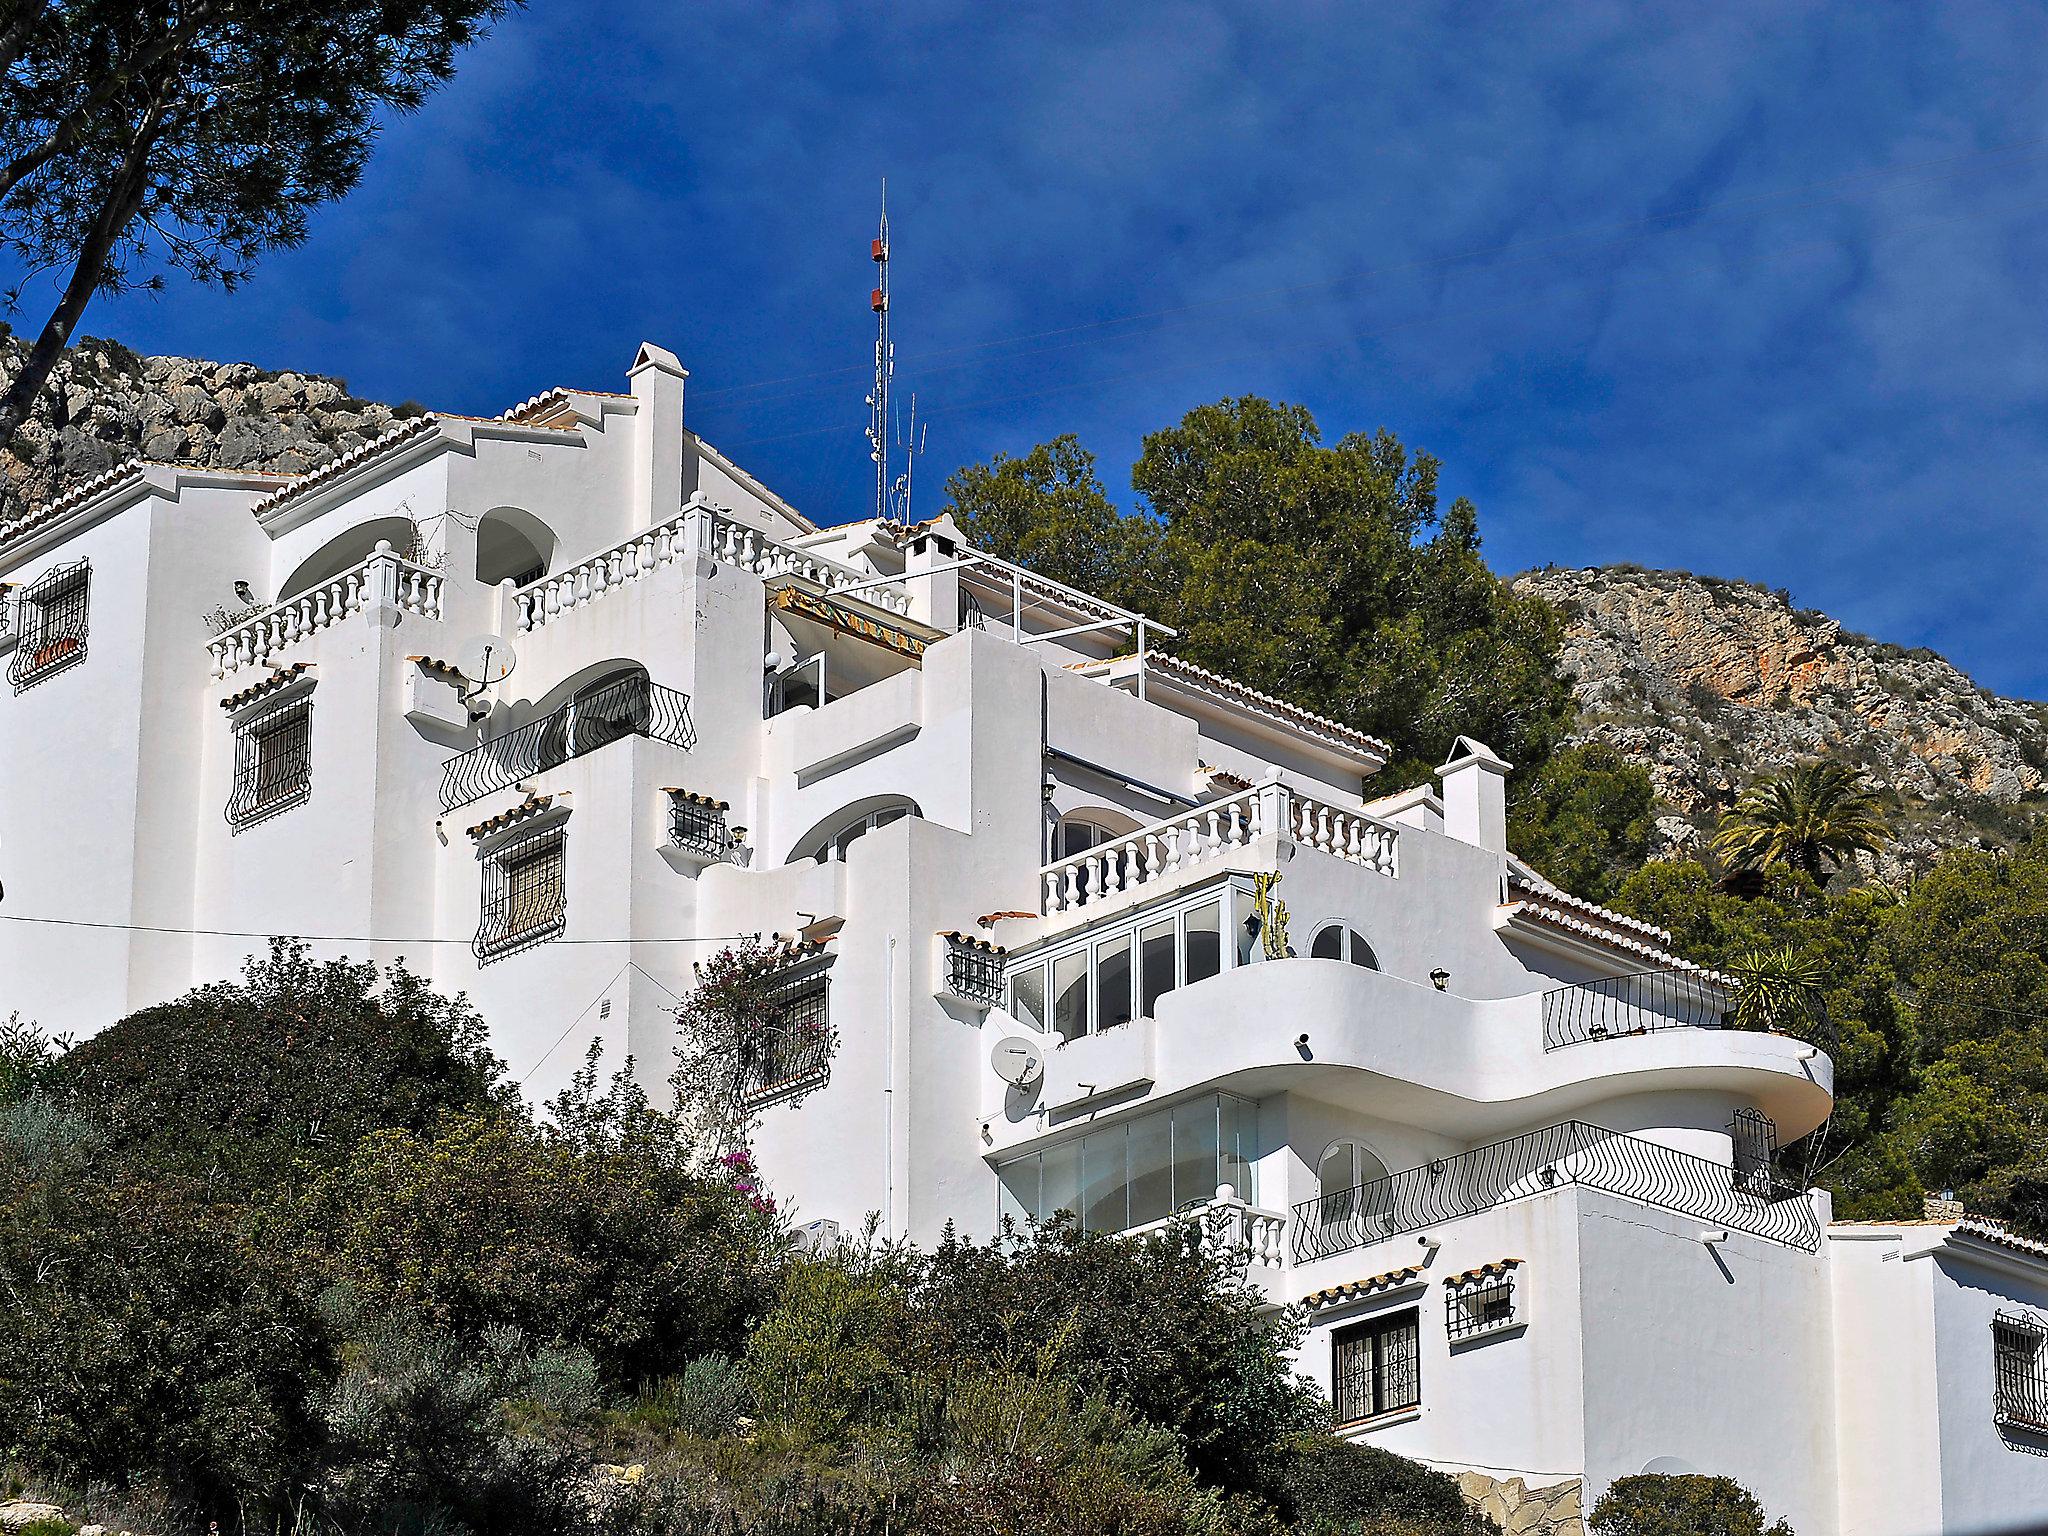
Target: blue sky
(1746, 289)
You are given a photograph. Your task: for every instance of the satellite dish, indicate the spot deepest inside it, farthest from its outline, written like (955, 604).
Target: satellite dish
(1017, 1061)
(486, 660)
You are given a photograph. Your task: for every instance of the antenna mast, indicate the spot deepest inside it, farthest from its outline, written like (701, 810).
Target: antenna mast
(885, 362)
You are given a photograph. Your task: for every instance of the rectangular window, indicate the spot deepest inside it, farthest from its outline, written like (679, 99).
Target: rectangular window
(1204, 942)
(1155, 965)
(273, 762)
(1376, 1367)
(1070, 995)
(51, 614)
(1113, 982)
(525, 897)
(2019, 1345)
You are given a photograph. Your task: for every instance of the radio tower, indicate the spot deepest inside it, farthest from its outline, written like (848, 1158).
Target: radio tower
(885, 363)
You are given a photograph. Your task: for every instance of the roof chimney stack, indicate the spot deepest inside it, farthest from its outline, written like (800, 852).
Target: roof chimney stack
(1475, 797)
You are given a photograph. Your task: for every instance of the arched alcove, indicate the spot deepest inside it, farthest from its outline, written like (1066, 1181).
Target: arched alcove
(346, 551)
(828, 841)
(512, 543)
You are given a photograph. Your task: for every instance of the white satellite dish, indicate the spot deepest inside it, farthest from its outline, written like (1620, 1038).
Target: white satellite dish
(486, 660)
(1017, 1060)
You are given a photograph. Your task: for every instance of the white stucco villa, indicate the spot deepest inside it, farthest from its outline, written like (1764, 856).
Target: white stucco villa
(1095, 929)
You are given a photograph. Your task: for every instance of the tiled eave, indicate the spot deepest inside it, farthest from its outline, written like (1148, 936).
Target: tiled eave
(1540, 920)
(386, 446)
(691, 797)
(1491, 1271)
(973, 941)
(525, 810)
(548, 407)
(1369, 753)
(117, 487)
(1360, 1290)
(277, 682)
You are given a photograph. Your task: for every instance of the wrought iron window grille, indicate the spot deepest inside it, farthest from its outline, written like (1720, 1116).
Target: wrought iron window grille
(525, 896)
(52, 615)
(1535, 1162)
(273, 762)
(1481, 1305)
(974, 970)
(630, 706)
(1376, 1367)
(2019, 1344)
(696, 824)
(793, 1051)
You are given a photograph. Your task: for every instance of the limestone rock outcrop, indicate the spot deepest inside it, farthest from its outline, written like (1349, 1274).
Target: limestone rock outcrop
(105, 405)
(1712, 684)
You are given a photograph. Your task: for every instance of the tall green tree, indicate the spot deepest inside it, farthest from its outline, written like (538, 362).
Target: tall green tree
(1325, 573)
(1813, 819)
(137, 135)
(1585, 819)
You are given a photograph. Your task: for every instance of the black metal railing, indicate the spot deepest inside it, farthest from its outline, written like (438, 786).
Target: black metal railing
(631, 706)
(696, 824)
(1637, 1004)
(525, 894)
(1537, 1162)
(2019, 1344)
(974, 971)
(273, 763)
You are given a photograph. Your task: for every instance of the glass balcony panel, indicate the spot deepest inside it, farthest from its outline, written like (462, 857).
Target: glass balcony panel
(1027, 997)
(1059, 1187)
(1194, 1151)
(1106, 1179)
(1151, 1169)
(1070, 995)
(1155, 965)
(1237, 1126)
(1017, 1181)
(1113, 982)
(1204, 942)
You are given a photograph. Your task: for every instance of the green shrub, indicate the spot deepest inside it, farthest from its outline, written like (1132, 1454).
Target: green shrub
(1327, 1484)
(1665, 1504)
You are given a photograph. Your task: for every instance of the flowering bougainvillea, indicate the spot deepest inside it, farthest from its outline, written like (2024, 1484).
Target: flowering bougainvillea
(741, 1039)
(746, 1181)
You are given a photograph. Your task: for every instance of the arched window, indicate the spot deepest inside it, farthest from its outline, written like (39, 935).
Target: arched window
(512, 543)
(1077, 834)
(1334, 941)
(831, 849)
(1348, 1192)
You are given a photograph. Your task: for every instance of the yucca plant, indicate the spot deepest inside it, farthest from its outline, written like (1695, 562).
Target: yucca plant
(1777, 989)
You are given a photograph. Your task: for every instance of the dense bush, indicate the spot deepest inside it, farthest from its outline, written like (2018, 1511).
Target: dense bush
(1662, 1504)
(373, 1293)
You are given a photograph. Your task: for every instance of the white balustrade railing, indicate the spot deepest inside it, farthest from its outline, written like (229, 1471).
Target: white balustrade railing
(1231, 1230)
(1207, 833)
(383, 580)
(698, 531)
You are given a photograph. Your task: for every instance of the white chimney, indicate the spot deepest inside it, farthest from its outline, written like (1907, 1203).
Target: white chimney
(657, 376)
(1475, 795)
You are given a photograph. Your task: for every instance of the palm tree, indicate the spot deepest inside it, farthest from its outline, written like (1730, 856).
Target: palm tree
(1813, 819)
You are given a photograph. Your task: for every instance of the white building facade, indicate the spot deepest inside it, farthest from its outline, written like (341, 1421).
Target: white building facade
(1092, 929)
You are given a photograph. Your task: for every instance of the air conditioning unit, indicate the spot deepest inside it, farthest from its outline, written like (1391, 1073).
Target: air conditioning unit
(820, 1236)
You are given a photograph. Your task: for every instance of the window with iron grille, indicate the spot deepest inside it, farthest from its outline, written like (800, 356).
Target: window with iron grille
(51, 614)
(1480, 1304)
(2019, 1347)
(1376, 1366)
(273, 762)
(525, 899)
(696, 824)
(794, 1050)
(974, 971)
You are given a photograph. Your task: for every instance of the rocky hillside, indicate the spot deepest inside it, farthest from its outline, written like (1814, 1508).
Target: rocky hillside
(1711, 684)
(105, 404)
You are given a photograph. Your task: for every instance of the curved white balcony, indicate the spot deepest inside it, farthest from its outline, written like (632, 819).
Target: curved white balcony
(1468, 1068)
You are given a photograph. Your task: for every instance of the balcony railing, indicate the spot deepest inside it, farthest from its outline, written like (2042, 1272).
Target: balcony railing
(1208, 833)
(699, 531)
(1615, 1006)
(1630, 1167)
(1230, 1229)
(632, 706)
(384, 579)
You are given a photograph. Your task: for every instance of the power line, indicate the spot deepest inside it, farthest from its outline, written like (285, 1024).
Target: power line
(630, 965)
(1646, 223)
(336, 938)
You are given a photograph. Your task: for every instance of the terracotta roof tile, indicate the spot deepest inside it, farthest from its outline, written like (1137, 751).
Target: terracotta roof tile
(282, 677)
(1357, 1290)
(525, 810)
